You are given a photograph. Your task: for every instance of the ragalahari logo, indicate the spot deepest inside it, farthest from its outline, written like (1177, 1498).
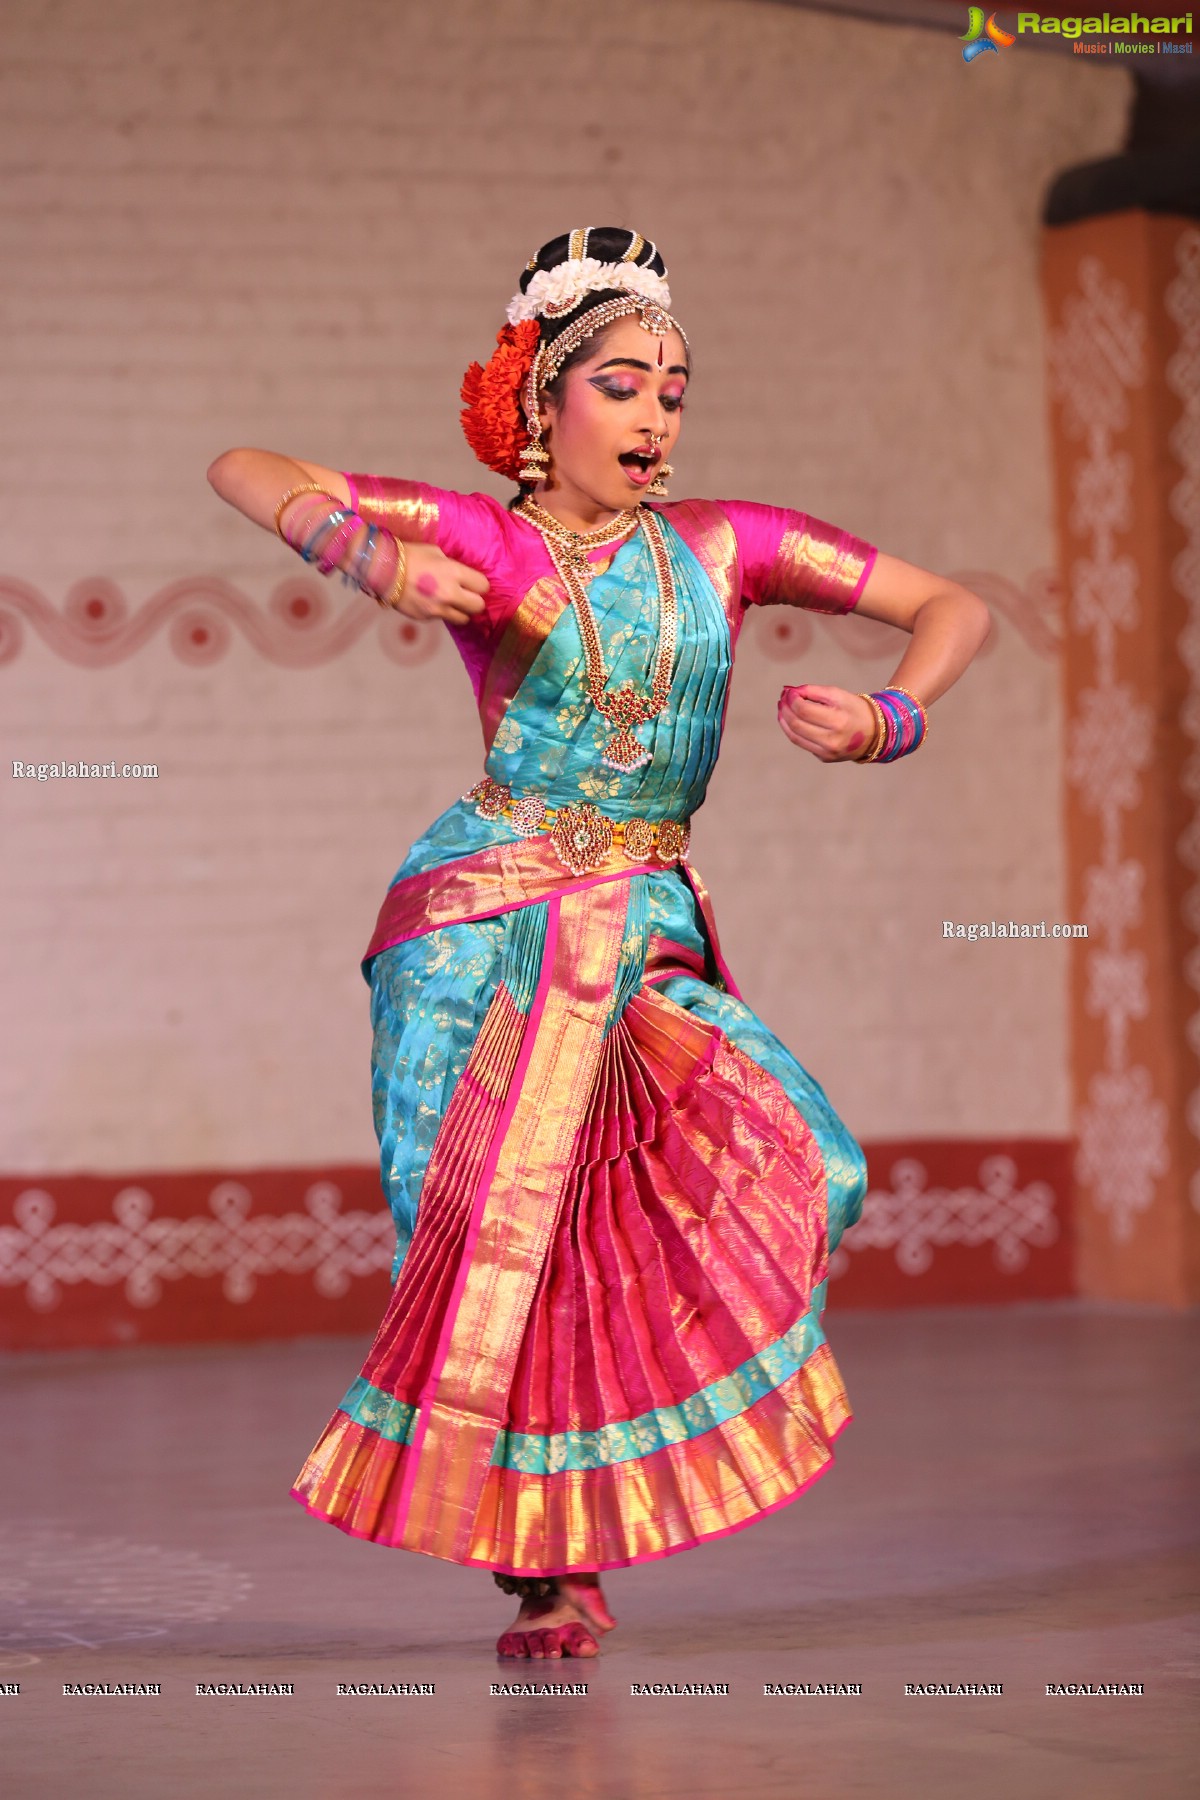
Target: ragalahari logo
(1100, 34)
(980, 36)
(983, 35)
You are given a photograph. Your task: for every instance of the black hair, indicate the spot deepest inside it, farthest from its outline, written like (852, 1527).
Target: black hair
(606, 244)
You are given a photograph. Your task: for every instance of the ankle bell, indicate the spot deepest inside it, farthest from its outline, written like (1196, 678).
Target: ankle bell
(528, 1587)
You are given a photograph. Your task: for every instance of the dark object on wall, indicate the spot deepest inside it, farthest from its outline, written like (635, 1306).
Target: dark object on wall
(1159, 168)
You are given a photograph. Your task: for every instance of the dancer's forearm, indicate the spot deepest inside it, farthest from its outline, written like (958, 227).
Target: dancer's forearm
(947, 632)
(947, 621)
(255, 481)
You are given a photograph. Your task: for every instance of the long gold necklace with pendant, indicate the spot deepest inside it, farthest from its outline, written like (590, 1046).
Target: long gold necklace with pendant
(628, 705)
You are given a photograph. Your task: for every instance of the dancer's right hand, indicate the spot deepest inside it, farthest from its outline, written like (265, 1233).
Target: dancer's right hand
(437, 587)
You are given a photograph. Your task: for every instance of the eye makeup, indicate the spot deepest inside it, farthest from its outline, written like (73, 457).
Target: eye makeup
(616, 390)
(619, 390)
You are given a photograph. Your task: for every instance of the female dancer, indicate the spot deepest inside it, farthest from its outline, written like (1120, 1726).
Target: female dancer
(615, 1191)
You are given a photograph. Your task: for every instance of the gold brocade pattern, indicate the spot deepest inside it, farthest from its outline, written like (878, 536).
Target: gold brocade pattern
(710, 536)
(458, 1423)
(729, 1477)
(806, 564)
(410, 516)
(523, 637)
(490, 882)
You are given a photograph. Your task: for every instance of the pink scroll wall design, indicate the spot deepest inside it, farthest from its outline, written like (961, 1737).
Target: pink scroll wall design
(301, 625)
(783, 632)
(304, 623)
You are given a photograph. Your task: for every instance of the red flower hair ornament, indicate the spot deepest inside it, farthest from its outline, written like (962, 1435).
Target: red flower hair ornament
(493, 419)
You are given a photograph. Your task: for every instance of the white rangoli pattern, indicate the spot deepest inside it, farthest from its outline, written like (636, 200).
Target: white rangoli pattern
(1097, 355)
(63, 1591)
(913, 1219)
(143, 1251)
(1183, 378)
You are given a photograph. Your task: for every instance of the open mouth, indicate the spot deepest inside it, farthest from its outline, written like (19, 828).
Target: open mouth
(640, 465)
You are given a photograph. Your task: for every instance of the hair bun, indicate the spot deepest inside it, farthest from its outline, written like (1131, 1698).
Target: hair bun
(602, 243)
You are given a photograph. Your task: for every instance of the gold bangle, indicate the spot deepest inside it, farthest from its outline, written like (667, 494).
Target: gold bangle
(880, 737)
(309, 487)
(401, 576)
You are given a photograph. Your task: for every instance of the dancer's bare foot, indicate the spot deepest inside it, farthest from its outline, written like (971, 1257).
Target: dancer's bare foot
(547, 1629)
(584, 1593)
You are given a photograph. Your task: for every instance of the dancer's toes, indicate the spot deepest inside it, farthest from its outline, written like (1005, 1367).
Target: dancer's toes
(577, 1640)
(547, 1629)
(561, 1640)
(567, 1637)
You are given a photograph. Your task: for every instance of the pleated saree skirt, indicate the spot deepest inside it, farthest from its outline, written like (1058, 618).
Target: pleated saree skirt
(615, 1193)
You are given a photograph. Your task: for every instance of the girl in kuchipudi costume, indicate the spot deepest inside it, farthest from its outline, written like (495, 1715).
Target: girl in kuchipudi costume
(615, 1190)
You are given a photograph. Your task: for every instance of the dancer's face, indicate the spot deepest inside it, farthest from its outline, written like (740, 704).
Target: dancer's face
(622, 397)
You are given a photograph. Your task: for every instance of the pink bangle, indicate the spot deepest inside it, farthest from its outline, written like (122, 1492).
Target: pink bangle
(382, 572)
(333, 550)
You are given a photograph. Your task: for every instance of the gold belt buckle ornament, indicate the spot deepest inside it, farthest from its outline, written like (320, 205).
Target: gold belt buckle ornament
(582, 837)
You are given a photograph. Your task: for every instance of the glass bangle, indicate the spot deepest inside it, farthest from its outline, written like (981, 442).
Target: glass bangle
(310, 549)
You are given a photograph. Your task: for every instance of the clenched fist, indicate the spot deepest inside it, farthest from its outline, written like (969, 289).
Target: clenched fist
(831, 723)
(437, 587)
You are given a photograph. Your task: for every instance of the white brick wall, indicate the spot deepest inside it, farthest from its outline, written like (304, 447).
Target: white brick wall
(227, 224)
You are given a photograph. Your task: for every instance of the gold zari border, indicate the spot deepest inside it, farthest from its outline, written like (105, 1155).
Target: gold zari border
(628, 1512)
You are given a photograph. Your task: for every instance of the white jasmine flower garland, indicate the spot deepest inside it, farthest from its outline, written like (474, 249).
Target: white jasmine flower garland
(557, 290)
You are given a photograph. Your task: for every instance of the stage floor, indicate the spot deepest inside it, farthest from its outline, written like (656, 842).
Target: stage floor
(1015, 1502)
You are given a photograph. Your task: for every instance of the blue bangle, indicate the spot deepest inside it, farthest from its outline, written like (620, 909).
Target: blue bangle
(907, 719)
(330, 522)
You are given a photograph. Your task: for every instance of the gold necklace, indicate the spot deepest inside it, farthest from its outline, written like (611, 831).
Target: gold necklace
(576, 544)
(630, 704)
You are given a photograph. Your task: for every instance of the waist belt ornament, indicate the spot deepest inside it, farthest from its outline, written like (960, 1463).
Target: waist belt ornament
(582, 836)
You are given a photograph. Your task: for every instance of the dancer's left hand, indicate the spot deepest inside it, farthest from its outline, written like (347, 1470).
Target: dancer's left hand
(831, 723)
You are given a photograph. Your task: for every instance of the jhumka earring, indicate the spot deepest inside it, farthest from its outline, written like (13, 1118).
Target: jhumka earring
(658, 487)
(533, 464)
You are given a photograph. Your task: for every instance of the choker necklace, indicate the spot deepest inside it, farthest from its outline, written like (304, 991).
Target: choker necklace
(630, 704)
(576, 544)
